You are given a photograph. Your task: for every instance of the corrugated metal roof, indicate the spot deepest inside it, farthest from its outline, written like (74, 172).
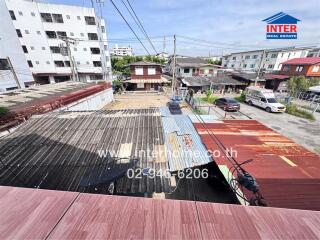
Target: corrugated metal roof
(61, 151)
(302, 61)
(288, 174)
(43, 214)
(184, 148)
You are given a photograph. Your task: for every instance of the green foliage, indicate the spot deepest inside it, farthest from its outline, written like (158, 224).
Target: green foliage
(209, 98)
(3, 111)
(294, 110)
(301, 83)
(241, 98)
(215, 62)
(120, 65)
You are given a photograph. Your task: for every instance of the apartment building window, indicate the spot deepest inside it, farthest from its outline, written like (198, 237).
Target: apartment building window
(67, 63)
(19, 33)
(46, 17)
(13, 17)
(32, 48)
(75, 49)
(186, 70)
(24, 48)
(95, 50)
(151, 71)
(78, 63)
(57, 18)
(38, 32)
(232, 65)
(95, 77)
(85, 49)
(103, 29)
(51, 34)
(30, 64)
(20, 13)
(33, 14)
(61, 34)
(82, 34)
(55, 49)
(97, 63)
(59, 63)
(273, 55)
(68, 16)
(4, 64)
(48, 62)
(37, 62)
(252, 65)
(93, 36)
(26, 31)
(234, 58)
(107, 59)
(90, 20)
(247, 57)
(255, 56)
(43, 48)
(106, 47)
(78, 17)
(244, 65)
(270, 66)
(138, 70)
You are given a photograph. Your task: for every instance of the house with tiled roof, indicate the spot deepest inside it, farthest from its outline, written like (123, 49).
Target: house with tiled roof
(145, 76)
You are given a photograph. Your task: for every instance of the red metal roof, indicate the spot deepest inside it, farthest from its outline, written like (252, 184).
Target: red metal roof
(276, 76)
(288, 174)
(46, 214)
(302, 61)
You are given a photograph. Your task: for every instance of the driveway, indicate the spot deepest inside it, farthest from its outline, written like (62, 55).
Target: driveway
(300, 130)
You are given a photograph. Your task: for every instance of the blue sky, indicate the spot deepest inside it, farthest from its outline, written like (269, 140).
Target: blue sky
(231, 25)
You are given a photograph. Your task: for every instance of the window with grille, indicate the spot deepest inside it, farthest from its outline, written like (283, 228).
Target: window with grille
(51, 34)
(57, 18)
(95, 50)
(25, 50)
(46, 17)
(97, 63)
(90, 20)
(30, 63)
(59, 63)
(67, 63)
(55, 49)
(19, 33)
(13, 17)
(93, 36)
(61, 34)
(4, 64)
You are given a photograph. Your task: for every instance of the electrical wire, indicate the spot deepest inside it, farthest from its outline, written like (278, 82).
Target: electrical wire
(139, 23)
(129, 26)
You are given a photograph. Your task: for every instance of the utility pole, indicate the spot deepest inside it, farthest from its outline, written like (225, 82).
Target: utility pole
(164, 44)
(13, 73)
(174, 67)
(259, 69)
(74, 72)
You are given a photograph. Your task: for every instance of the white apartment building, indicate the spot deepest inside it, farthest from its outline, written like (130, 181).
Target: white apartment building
(10, 47)
(122, 51)
(268, 60)
(41, 29)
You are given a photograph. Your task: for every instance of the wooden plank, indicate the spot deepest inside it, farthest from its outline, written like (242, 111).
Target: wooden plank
(30, 213)
(114, 217)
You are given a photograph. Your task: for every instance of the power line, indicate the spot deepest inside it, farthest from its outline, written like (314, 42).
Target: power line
(139, 23)
(129, 26)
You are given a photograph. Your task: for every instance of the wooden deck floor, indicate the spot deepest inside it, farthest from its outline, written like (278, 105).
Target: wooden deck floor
(45, 214)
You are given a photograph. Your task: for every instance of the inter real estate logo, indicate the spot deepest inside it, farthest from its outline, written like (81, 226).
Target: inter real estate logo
(281, 26)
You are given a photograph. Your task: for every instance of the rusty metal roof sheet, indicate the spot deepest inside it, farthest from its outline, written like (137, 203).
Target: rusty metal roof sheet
(288, 174)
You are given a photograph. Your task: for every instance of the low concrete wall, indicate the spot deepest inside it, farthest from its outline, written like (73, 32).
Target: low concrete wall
(94, 102)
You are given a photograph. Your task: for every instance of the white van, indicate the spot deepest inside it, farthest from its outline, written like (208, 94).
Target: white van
(263, 98)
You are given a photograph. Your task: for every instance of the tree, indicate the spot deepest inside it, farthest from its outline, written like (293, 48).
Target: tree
(313, 82)
(298, 84)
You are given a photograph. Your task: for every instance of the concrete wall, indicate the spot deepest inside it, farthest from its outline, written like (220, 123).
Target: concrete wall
(94, 102)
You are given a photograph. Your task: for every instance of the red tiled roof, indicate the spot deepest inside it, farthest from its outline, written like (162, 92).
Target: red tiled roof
(45, 214)
(288, 174)
(302, 61)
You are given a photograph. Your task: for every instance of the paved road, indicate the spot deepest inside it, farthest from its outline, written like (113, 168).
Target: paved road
(300, 130)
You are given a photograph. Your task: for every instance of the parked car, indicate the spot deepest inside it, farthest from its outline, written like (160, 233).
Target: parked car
(174, 107)
(263, 98)
(228, 104)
